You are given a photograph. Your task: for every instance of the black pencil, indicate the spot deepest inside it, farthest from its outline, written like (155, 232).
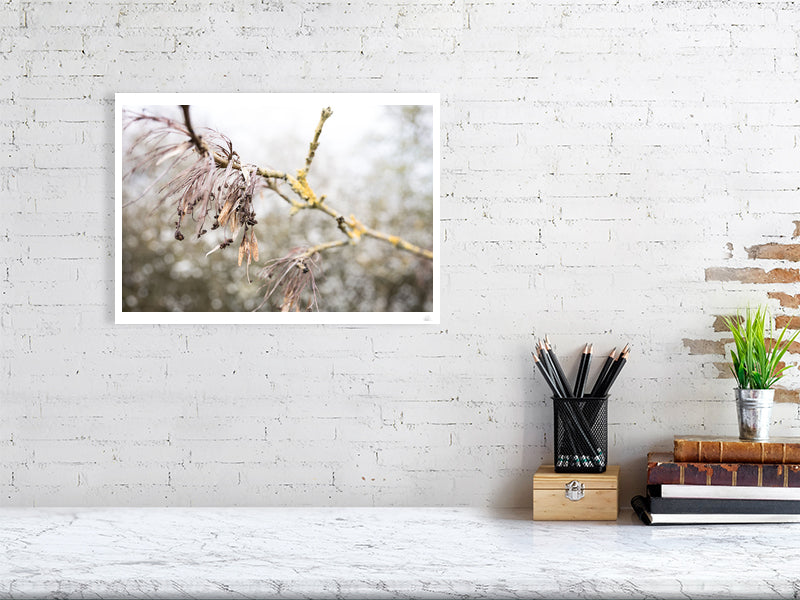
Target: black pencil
(545, 374)
(559, 370)
(604, 386)
(548, 367)
(583, 370)
(547, 360)
(614, 373)
(602, 375)
(578, 375)
(540, 355)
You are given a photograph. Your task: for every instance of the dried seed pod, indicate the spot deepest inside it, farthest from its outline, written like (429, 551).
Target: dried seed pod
(295, 275)
(226, 211)
(241, 250)
(254, 244)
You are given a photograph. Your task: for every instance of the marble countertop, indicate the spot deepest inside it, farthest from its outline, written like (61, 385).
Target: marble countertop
(383, 553)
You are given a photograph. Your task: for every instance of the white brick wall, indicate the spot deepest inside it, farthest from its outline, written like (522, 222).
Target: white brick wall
(597, 158)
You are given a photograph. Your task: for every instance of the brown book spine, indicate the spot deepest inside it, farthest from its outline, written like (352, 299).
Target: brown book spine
(662, 469)
(725, 451)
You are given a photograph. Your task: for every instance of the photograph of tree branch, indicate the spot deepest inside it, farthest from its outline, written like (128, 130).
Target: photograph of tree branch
(277, 208)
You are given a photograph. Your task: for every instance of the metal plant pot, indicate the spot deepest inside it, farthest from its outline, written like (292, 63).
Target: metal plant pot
(754, 408)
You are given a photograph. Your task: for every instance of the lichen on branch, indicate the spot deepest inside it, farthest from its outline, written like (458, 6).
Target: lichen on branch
(312, 149)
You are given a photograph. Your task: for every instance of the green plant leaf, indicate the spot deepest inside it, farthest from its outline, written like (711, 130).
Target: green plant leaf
(753, 364)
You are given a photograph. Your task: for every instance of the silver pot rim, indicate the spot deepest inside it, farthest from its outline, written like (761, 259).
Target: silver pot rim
(755, 391)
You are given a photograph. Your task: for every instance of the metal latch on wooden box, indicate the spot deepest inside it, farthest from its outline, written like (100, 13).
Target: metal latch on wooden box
(573, 490)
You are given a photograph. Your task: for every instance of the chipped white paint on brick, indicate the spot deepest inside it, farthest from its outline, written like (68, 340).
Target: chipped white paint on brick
(596, 159)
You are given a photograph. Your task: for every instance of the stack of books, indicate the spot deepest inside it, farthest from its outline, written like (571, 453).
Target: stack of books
(722, 480)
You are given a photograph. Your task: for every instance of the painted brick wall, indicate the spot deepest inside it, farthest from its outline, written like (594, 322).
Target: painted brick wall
(611, 172)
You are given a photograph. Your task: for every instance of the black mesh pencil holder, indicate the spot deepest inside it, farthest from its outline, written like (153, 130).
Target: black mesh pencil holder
(581, 435)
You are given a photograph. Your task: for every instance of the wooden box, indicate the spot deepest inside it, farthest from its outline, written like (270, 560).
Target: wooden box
(575, 496)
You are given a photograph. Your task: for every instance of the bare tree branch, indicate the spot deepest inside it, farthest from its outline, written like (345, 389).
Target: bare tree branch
(326, 246)
(202, 148)
(312, 149)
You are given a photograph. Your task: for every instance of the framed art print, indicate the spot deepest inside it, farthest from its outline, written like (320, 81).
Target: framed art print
(277, 208)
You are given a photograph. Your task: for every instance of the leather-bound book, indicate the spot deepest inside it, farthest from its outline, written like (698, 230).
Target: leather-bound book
(692, 448)
(662, 468)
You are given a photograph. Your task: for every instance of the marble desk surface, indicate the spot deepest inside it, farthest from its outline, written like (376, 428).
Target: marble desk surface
(383, 553)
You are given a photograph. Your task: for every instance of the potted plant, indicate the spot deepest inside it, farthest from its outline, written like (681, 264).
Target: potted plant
(755, 366)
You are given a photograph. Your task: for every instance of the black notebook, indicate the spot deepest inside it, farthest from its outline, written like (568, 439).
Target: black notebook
(642, 506)
(656, 504)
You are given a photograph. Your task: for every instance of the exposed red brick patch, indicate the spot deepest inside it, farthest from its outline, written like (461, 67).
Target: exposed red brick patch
(794, 347)
(781, 321)
(752, 275)
(782, 395)
(705, 346)
(786, 300)
(788, 321)
(775, 252)
(719, 322)
(723, 370)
